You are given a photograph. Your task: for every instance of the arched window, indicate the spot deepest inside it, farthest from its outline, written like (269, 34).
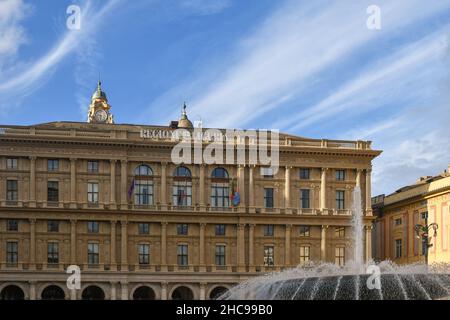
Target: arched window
(144, 293)
(143, 186)
(220, 190)
(53, 293)
(182, 293)
(12, 292)
(93, 293)
(182, 187)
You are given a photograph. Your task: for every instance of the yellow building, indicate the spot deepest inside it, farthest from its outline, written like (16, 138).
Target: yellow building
(399, 213)
(107, 197)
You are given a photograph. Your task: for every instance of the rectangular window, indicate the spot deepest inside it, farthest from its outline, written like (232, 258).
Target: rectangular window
(182, 229)
(93, 257)
(340, 199)
(52, 252)
(267, 172)
(304, 198)
(220, 229)
(398, 222)
(93, 227)
(182, 194)
(398, 248)
(220, 255)
(12, 190)
(93, 192)
(339, 256)
(304, 173)
(144, 254)
(340, 175)
(182, 254)
(424, 247)
(339, 232)
(424, 215)
(92, 166)
(268, 256)
(304, 254)
(53, 226)
(11, 163)
(53, 164)
(144, 228)
(12, 253)
(305, 231)
(52, 191)
(220, 195)
(143, 192)
(12, 225)
(268, 197)
(268, 230)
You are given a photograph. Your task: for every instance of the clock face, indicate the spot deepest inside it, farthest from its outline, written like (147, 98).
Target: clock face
(100, 116)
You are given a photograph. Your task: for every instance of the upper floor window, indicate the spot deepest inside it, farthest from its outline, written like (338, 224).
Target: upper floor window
(339, 256)
(268, 255)
(220, 255)
(304, 198)
(53, 226)
(93, 255)
(424, 215)
(52, 191)
(53, 164)
(182, 229)
(182, 187)
(305, 173)
(92, 166)
(93, 227)
(304, 231)
(12, 225)
(268, 230)
(11, 163)
(305, 254)
(182, 254)
(398, 248)
(12, 190)
(398, 222)
(339, 232)
(12, 252)
(340, 175)
(340, 199)
(220, 229)
(143, 186)
(52, 252)
(144, 253)
(220, 191)
(144, 228)
(93, 192)
(267, 172)
(268, 197)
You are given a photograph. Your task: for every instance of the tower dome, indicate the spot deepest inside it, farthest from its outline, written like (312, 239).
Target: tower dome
(184, 122)
(99, 93)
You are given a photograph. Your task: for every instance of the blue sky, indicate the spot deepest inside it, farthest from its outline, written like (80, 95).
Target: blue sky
(310, 68)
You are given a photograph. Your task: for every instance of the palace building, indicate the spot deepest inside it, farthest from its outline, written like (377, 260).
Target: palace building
(107, 198)
(423, 203)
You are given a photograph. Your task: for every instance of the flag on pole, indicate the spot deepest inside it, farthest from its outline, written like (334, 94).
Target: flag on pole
(235, 197)
(131, 189)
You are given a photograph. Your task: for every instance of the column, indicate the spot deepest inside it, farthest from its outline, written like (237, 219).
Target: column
(73, 241)
(163, 184)
(124, 290)
(124, 243)
(323, 244)
(163, 246)
(32, 290)
(202, 187)
(368, 243)
(251, 188)
(73, 183)
(123, 184)
(32, 243)
(241, 247)
(287, 189)
(287, 247)
(112, 199)
(32, 181)
(368, 192)
(113, 261)
(323, 193)
(113, 291)
(202, 247)
(164, 290)
(202, 290)
(251, 248)
(241, 186)
(73, 294)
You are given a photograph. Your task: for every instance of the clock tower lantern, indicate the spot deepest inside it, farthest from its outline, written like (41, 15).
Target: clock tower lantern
(99, 109)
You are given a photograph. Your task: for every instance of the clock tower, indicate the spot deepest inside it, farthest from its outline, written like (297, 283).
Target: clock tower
(99, 109)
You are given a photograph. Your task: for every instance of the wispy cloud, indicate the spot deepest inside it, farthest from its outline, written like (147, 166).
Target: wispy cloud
(204, 7)
(34, 73)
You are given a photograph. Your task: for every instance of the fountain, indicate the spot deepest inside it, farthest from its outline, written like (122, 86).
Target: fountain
(326, 281)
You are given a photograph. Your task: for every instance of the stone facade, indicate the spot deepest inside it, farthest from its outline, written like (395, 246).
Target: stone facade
(97, 227)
